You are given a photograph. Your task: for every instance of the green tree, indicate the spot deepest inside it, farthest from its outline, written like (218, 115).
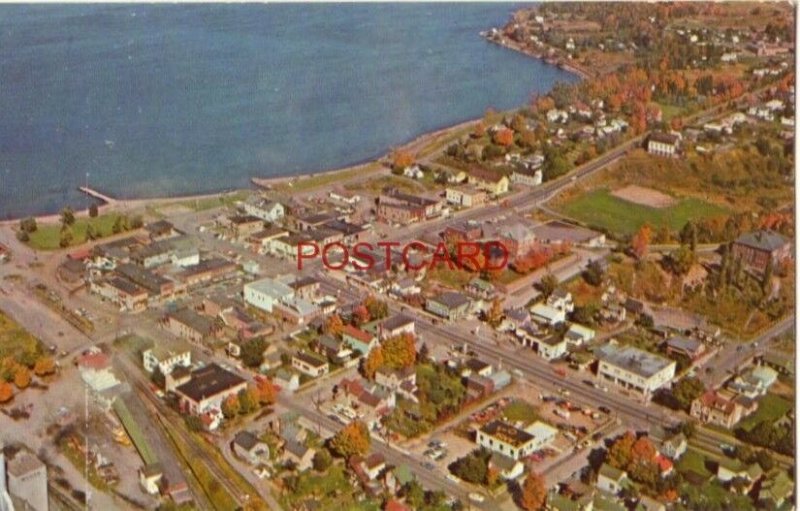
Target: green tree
(594, 273)
(66, 238)
(687, 390)
(193, 422)
(93, 210)
(620, 455)
(91, 232)
(67, 216)
(680, 261)
(28, 224)
(322, 460)
(377, 309)
(136, 222)
(766, 278)
(118, 226)
(399, 352)
(230, 407)
(252, 352)
(473, 467)
(415, 494)
(548, 285)
(248, 400)
(158, 378)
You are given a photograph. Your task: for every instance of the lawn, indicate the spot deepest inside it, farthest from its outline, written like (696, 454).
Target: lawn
(48, 236)
(520, 411)
(17, 342)
(602, 210)
(377, 184)
(330, 490)
(770, 409)
(693, 461)
(318, 180)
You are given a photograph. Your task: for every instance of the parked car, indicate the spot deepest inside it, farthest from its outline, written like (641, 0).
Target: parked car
(476, 497)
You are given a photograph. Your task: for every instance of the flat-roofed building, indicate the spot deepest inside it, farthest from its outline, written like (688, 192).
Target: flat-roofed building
(638, 370)
(208, 387)
(509, 440)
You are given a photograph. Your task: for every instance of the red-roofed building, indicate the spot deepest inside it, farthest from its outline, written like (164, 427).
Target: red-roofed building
(714, 408)
(359, 340)
(395, 505)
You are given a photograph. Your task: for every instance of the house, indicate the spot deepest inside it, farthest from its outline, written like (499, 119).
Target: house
(406, 286)
(675, 446)
(150, 477)
(577, 335)
(450, 305)
(663, 144)
(504, 438)
(334, 349)
(507, 467)
(547, 315)
(481, 288)
(610, 479)
(561, 299)
(555, 116)
(477, 366)
(517, 238)
(716, 408)
(776, 489)
(465, 195)
(299, 455)
(550, 347)
(398, 213)
(500, 379)
(495, 183)
(526, 177)
(414, 172)
(755, 382)
(314, 220)
(264, 209)
(692, 349)
(206, 271)
(247, 446)
(165, 359)
(341, 195)
(430, 207)
(637, 370)
(284, 296)
(649, 504)
(463, 231)
(730, 469)
(260, 241)
(373, 465)
(121, 292)
(782, 362)
(289, 247)
(95, 370)
(208, 387)
(240, 227)
(286, 380)
(27, 481)
(757, 249)
(309, 365)
(396, 325)
(358, 339)
(187, 324)
(161, 230)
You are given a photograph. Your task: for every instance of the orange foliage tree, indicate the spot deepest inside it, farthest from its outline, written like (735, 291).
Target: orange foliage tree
(373, 362)
(22, 377)
(640, 242)
(503, 137)
(44, 366)
(534, 492)
(6, 392)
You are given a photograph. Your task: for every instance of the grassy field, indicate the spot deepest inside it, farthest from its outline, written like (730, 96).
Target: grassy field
(377, 184)
(520, 411)
(331, 490)
(693, 461)
(309, 183)
(17, 342)
(770, 409)
(600, 209)
(47, 236)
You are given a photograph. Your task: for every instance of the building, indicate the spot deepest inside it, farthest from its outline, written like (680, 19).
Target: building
(431, 207)
(260, 241)
(166, 360)
(550, 347)
(242, 226)
(561, 299)
(557, 232)
(6, 504)
(206, 271)
(95, 369)
(396, 213)
(27, 481)
(692, 349)
(527, 177)
(248, 447)
(759, 248)
(776, 489)
(150, 477)
(310, 365)
(449, 305)
(610, 479)
(640, 371)
(675, 446)
(358, 339)
(547, 315)
(396, 325)
(495, 183)
(578, 335)
(716, 408)
(285, 296)
(663, 144)
(299, 455)
(121, 292)
(266, 210)
(187, 324)
(208, 387)
(508, 440)
(509, 468)
(465, 196)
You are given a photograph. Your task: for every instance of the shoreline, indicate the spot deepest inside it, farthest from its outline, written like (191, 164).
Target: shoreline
(267, 184)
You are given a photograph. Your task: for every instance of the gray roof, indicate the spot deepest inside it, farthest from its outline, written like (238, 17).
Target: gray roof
(246, 440)
(632, 359)
(763, 240)
(684, 343)
(201, 324)
(451, 299)
(396, 321)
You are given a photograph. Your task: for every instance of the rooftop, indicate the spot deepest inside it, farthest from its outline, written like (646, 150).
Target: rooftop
(762, 240)
(310, 359)
(397, 321)
(23, 463)
(201, 324)
(507, 433)
(665, 138)
(451, 299)
(640, 362)
(209, 381)
(273, 288)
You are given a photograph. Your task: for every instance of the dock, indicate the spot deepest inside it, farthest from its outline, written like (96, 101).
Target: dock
(91, 192)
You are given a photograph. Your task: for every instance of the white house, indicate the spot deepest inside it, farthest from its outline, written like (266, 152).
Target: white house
(414, 172)
(547, 315)
(166, 360)
(551, 347)
(578, 335)
(508, 440)
(309, 365)
(561, 300)
(610, 479)
(267, 210)
(663, 144)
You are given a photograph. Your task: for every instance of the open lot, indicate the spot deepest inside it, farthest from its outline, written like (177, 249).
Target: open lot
(770, 409)
(602, 209)
(644, 196)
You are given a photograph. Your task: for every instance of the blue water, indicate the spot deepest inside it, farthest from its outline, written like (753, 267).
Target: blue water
(154, 100)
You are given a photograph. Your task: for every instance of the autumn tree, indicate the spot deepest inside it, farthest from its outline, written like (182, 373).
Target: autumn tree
(640, 242)
(230, 407)
(480, 130)
(44, 366)
(373, 362)
(494, 316)
(619, 454)
(503, 137)
(377, 309)
(248, 400)
(267, 392)
(401, 159)
(22, 377)
(351, 440)
(334, 325)
(400, 352)
(6, 392)
(534, 492)
(360, 315)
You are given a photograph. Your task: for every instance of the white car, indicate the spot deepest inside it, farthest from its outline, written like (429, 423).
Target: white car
(453, 478)
(476, 497)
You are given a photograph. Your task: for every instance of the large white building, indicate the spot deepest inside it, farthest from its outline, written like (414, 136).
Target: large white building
(5, 498)
(508, 440)
(640, 371)
(166, 360)
(27, 481)
(267, 210)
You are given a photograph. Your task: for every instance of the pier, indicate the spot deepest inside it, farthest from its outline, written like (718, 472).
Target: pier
(97, 195)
